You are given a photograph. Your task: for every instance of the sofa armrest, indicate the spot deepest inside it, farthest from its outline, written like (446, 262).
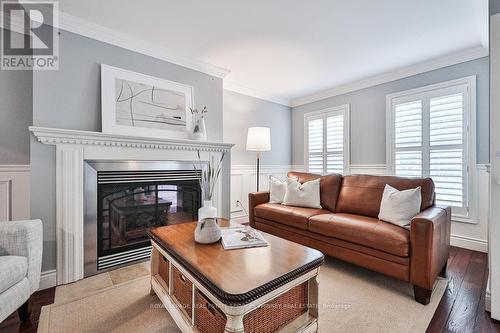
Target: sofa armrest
(430, 245)
(24, 238)
(255, 199)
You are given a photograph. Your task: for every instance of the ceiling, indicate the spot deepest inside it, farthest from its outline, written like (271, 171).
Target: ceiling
(293, 48)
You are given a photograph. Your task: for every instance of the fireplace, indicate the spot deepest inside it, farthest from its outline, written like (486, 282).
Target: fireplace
(123, 199)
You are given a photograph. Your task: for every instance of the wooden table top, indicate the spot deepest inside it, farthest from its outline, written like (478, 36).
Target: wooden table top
(241, 275)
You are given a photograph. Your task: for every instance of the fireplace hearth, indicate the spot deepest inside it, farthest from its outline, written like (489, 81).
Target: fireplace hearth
(126, 198)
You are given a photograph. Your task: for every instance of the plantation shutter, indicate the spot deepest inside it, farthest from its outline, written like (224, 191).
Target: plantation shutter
(408, 139)
(326, 142)
(315, 137)
(335, 144)
(446, 148)
(429, 137)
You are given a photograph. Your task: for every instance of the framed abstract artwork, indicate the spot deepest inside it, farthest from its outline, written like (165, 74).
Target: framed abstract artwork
(136, 104)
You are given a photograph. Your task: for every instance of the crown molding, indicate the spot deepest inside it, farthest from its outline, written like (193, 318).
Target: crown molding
(422, 67)
(56, 136)
(241, 89)
(100, 33)
(97, 32)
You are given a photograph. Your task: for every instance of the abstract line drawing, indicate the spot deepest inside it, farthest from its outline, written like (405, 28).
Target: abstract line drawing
(147, 106)
(137, 104)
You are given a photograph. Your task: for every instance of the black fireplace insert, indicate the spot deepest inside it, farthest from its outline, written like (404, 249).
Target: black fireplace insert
(128, 203)
(127, 211)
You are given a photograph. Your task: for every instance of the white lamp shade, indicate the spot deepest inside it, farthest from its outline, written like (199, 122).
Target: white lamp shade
(259, 139)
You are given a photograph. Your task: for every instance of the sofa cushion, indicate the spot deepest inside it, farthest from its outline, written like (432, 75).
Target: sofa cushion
(329, 187)
(293, 216)
(12, 270)
(363, 230)
(362, 194)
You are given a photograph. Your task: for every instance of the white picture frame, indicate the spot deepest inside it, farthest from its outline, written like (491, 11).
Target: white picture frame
(161, 108)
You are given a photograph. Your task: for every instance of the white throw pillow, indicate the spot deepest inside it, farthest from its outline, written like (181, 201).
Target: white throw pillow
(399, 207)
(302, 195)
(277, 189)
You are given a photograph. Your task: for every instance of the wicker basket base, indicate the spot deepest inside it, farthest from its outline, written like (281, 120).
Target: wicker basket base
(267, 318)
(182, 289)
(163, 269)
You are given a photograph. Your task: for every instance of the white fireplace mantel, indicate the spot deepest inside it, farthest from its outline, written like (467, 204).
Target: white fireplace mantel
(74, 147)
(54, 136)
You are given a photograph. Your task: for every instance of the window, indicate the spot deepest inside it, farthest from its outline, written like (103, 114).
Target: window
(429, 135)
(327, 140)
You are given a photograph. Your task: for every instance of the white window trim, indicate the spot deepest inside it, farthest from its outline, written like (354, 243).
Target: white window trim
(342, 109)
(470, 139)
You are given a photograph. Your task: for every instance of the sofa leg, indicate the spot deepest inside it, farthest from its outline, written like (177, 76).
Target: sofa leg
(24, 311)
(422, 295)
(443, 271)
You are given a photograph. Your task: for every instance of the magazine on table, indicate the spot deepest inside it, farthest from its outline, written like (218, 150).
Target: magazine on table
(241, 237)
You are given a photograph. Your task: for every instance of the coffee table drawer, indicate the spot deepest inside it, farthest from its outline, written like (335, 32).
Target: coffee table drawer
(183, 291)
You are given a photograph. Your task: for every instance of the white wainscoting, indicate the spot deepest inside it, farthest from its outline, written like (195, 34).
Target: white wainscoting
(244, 181)
(14, 192)
(48, 279)
(466, 233)
(368, 169)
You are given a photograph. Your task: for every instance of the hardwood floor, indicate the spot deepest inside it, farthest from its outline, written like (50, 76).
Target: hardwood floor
(460, 310)
(38, 299)
(462, 307)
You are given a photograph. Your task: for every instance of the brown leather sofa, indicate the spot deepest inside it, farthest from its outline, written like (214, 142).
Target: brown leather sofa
(347, 227)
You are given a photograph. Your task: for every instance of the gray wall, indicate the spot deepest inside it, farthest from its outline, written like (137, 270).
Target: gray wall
(16, 114)
(70, 98)
(368, 112)
(494, 7)
(241, 112)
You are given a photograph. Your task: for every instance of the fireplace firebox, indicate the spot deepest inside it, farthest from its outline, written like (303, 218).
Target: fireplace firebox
(125, 199)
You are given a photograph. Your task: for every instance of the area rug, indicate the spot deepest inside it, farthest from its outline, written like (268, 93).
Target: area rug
(352, 299)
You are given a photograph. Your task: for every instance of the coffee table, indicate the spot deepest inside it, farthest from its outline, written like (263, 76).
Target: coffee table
(208, 289)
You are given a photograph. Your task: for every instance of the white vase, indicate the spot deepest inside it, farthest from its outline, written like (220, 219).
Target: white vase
(207, 230)
(207, 211)
(199, 129)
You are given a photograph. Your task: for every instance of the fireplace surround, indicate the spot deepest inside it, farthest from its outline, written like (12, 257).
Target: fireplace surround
(74, 147)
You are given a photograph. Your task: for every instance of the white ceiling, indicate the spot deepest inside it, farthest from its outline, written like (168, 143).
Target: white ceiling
(293, 48)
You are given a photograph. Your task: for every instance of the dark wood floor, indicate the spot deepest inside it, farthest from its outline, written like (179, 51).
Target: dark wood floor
(460, 310)
(462, 307)
(38, 299)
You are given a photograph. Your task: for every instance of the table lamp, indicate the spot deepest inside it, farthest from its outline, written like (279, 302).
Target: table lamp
(258, 140)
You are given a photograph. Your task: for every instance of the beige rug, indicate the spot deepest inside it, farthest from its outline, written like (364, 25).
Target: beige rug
(352, 300)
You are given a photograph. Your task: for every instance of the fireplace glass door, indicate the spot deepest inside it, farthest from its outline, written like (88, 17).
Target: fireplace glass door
(127, 210)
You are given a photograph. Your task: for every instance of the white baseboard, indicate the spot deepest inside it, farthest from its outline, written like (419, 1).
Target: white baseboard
(469, 243)
(48, 279)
